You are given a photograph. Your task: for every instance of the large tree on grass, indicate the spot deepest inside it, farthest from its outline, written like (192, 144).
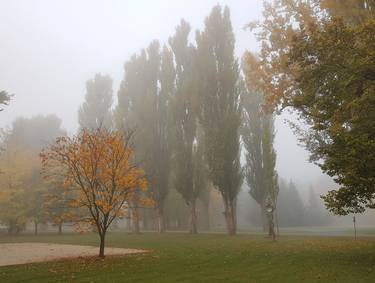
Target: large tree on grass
(317, 57)
(98, 168)
(188, 148)
(258, 135)
(220, 114)
(144, 104)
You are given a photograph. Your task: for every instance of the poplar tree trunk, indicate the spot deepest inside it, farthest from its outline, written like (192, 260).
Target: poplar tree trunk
(35, 227)
(230, 217)
(193, 223)
(263, 216)
(135, 218)
(161, 223)
(277, 222)
(145, 218)
(60, 228)
(271, 226)
(206, 218)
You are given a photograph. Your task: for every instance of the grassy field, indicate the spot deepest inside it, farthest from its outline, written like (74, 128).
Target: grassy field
(206, 258)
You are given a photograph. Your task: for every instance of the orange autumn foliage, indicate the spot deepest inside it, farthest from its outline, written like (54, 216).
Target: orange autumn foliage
(97, 170)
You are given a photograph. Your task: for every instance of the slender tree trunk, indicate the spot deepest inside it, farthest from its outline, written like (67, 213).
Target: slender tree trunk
(271, 226)
(277, 223)
(161, 223)
(206, 217)
(193, 223)
(145, 218)
(13, 229)
(135, 218)
(102, 242)
(35, 228)
(129, 220)
(60, 228)
(230, 217)
(263, 216)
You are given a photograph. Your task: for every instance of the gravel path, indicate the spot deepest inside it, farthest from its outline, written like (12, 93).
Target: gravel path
(20, 253)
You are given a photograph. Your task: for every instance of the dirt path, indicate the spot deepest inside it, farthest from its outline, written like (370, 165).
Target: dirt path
(20, 253)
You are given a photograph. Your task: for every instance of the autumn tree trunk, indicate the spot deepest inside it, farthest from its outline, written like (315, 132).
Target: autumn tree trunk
(102, 242)
(60, 228)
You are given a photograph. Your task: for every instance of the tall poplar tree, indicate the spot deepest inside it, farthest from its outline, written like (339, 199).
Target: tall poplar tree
(189, 176)
(258, 136)
(220, 114)
(96, 111)
(143, 105)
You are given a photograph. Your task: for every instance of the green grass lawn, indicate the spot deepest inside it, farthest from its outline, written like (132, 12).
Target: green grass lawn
(206, 258)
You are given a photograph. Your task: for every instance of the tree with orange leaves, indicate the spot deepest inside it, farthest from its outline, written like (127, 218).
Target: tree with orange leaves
(98, 170)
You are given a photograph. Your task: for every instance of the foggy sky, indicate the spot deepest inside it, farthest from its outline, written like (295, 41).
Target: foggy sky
(49, 49)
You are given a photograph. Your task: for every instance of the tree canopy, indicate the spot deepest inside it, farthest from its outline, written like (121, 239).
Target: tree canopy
(319, 61)
(96, 111)
(4, 98)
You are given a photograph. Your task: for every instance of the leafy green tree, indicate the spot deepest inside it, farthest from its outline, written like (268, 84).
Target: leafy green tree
(258, 136)
(220, 114)
(341, 136)
(96, 111)
(322, 67)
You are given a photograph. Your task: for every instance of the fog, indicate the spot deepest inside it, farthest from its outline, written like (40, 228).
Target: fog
(49, 49)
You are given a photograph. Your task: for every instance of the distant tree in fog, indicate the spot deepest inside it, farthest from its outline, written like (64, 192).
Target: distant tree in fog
(144, 105)
(17, 167)
(291, 209)
(96, 111)
(317, 215)
(22, 186)
(34, 133)
(258, 136)
(220, 114)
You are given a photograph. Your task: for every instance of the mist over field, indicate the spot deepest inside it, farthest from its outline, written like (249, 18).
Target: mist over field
(225, 137)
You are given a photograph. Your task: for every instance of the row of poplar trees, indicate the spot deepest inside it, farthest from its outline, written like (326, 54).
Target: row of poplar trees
(189, 106)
